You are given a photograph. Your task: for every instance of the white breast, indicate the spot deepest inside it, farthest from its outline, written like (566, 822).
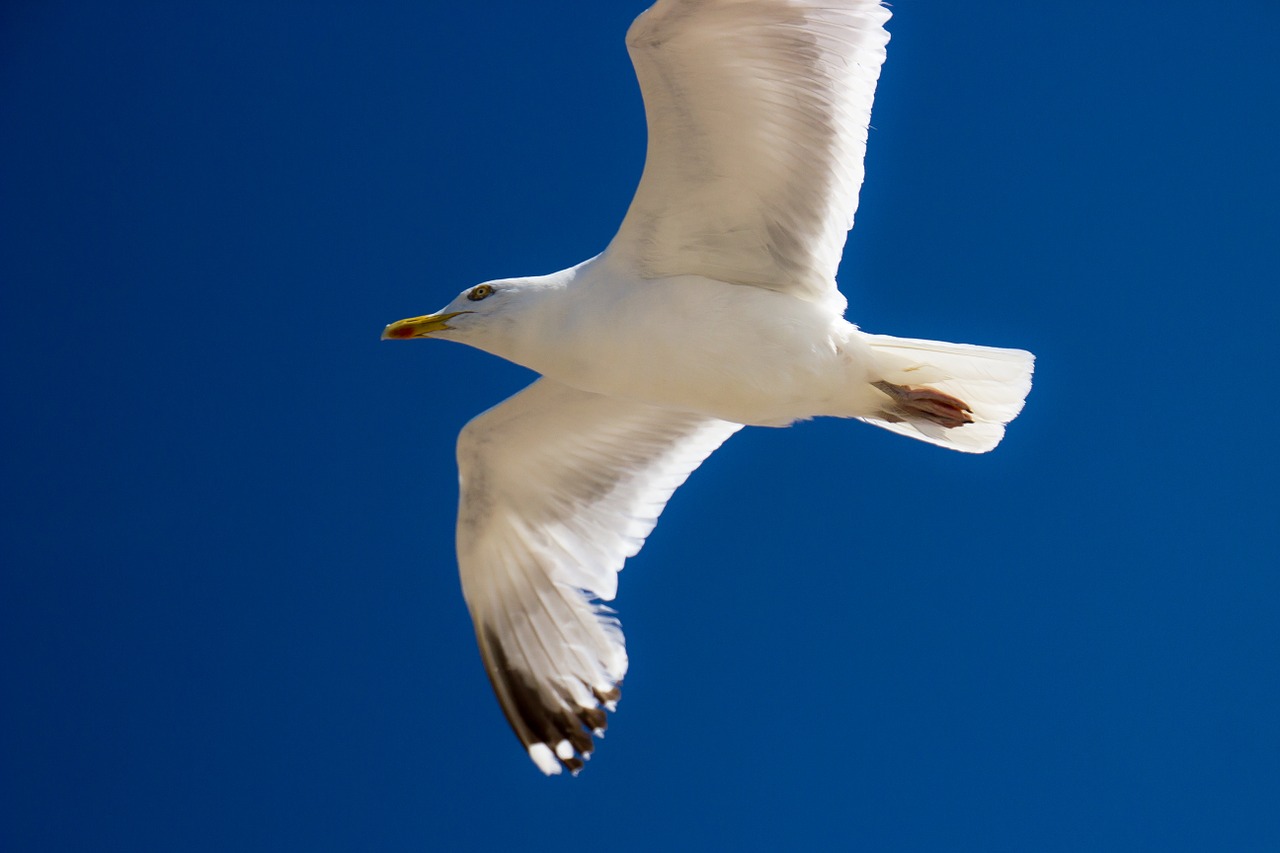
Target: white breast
(738, 353)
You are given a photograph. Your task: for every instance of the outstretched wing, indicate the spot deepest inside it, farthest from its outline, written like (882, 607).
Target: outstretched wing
(758, 113)
(559, 488)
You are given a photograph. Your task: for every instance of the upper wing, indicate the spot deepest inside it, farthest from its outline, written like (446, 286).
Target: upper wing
(758, 113)
(559, 487)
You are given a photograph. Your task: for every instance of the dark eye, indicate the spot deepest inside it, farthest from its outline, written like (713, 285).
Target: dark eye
(480, 292)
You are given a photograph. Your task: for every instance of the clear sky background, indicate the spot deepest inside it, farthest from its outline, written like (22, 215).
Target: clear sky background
(229, 606)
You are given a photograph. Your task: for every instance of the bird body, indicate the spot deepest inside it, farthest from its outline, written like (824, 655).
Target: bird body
(742, 354)
(715, 306)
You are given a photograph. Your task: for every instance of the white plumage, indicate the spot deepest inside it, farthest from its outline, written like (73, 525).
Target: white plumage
(714, 306)
(757, 114)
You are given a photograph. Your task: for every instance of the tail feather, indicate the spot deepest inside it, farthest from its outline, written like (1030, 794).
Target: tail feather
(994, 382)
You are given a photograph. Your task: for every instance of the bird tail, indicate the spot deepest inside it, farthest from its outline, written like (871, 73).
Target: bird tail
(991, 382)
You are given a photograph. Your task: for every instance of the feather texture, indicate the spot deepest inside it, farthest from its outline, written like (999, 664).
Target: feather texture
(559, 488)
(758, 113)
(993, 381)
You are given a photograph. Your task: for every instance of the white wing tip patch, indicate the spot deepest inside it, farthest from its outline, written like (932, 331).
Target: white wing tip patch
(545, 758)
(552, 762)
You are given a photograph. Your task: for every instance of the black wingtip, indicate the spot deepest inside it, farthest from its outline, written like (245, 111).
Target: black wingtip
(560, 729)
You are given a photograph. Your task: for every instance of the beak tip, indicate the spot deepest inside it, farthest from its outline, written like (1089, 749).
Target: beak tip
(419, 327)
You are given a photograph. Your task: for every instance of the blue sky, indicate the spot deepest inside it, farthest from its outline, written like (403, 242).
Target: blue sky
(229, 605)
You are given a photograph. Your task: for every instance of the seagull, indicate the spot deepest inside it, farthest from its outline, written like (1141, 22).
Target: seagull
(714, 307)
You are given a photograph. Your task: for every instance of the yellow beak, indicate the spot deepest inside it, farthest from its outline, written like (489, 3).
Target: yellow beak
(419, 327)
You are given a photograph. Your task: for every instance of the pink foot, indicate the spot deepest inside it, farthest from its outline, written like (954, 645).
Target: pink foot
(911, 404)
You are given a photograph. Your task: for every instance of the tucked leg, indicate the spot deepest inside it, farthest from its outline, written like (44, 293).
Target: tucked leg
(909, 404)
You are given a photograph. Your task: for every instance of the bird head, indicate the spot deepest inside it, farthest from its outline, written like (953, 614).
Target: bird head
(470, 311)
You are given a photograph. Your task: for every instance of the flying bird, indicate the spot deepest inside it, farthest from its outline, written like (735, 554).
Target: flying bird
(715, 306)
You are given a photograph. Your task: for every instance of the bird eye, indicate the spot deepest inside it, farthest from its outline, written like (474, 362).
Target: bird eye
(480, 292)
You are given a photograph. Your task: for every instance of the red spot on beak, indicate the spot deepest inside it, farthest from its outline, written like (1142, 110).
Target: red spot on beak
(402, 332)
